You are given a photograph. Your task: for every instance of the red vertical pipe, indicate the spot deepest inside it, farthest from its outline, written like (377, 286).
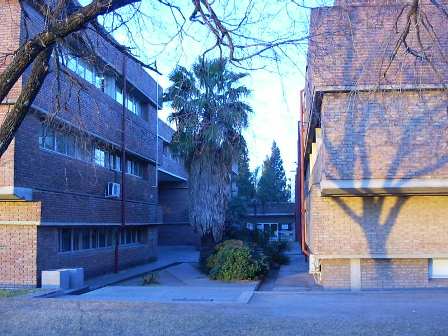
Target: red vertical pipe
(123, 166)
(302, 177)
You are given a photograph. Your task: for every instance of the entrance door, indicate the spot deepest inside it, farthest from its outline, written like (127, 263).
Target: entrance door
(272, 229)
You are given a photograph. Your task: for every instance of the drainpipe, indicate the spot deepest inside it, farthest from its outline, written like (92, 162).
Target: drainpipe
(123, 166)
(302, 151)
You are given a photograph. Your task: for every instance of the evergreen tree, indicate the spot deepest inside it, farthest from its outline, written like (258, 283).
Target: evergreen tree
(272, 186)
(245, 182)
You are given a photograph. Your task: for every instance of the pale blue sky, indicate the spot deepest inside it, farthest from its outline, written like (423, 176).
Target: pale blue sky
(275, 90)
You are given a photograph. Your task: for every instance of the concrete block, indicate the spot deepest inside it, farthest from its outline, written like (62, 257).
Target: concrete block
(57, 279)
(76, 277)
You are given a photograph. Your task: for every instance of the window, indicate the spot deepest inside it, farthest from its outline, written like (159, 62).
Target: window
(132, 236)
(65, 240)
(115, 161)
(83, 69)
(438, 268)
(133, 104)
(135, 167)
(119, 94)
(285, 227)
(85, 239)
(85, 234)
(64, 143)
(249, 226)
(83, 149)
(100, 157)
(47, 138)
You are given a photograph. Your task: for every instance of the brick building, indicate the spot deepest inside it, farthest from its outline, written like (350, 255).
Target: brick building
(173, 195)
(64, 201)
(278, 219)
(375, 144)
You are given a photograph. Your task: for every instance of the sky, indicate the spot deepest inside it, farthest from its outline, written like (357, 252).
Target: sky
(275, 88)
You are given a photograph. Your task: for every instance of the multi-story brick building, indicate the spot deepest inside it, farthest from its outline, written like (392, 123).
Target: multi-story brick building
(375, 202)
(173, 195)
(64, 201)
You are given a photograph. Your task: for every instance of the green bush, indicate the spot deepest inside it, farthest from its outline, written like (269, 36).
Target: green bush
(275, 251)
(234, 260)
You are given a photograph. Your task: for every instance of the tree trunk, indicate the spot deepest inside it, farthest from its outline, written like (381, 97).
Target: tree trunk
(206, 250)
(208, 188)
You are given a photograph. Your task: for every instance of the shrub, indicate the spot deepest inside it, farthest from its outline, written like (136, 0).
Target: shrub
(275, 251)
(233, 260)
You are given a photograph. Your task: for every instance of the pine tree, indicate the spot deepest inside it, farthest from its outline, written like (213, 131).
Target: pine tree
(272, 186)
(245, 180)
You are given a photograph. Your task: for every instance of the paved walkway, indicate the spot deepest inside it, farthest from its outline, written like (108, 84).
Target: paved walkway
(179, 280)
(168, 255)
(291, 277)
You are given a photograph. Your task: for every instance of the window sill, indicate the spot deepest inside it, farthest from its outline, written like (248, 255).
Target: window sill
(101, 249)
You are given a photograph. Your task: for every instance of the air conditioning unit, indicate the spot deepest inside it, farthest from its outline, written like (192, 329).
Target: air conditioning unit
(113, 190)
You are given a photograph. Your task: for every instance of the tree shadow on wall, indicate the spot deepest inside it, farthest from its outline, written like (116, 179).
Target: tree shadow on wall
(377, 124)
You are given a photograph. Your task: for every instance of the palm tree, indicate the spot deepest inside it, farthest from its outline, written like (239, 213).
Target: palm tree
(210, 114)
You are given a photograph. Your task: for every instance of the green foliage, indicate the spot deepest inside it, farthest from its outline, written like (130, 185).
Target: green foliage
(209, 111)
(245, 182)
(7, 293)
(245, 179)
(272, 186)
(234, 260)
(273, 250)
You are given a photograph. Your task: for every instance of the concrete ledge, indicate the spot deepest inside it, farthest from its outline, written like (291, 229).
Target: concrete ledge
(16, 193)
(382, 256)
(384, 187)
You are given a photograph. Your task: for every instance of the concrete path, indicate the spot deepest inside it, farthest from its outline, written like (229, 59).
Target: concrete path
(179, 283)
(291, 277)
(160, 293)
(168, 255)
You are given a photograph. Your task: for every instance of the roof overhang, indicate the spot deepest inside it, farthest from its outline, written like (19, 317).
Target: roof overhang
(374, 187)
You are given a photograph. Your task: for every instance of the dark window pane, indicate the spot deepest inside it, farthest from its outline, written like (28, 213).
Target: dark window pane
(70, 146)
(85, 239)
(109, 237)
(128, 236)
(122, 237)
(60, 143)
(94, 238)
(102, 238)
(141, 235)
(76, 239)
(48, 138)
(65, 240)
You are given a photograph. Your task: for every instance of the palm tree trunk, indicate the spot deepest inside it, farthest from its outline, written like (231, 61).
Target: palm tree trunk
(206, 250)
(208, 187)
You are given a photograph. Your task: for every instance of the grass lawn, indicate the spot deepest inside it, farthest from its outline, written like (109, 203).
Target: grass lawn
(6, 293)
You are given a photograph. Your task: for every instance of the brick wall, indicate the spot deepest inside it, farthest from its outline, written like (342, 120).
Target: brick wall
(178, 234)
(335, 273)
(380, 274)
(398, 134)
(390, 225)
(95, 261)
(18, 255)
(18, 243)
(351, 46)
